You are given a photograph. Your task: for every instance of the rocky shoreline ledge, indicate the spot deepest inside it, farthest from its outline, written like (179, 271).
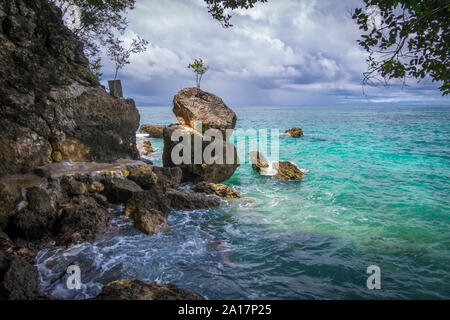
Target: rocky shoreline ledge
(68, 155)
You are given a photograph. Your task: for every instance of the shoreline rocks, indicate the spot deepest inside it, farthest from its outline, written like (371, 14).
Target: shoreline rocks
(139, 290)
(282, 170)
(153, 130)
(220, 190)
(258, 161)
(145, 148)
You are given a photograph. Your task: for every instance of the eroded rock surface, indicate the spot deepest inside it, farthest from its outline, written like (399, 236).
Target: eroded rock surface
(139, 290)
(192, 104)
(153, 130)
(52, 107)
(220, 190)
(295, 132)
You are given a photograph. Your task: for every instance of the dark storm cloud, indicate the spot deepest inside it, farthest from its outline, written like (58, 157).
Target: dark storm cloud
(284, 52)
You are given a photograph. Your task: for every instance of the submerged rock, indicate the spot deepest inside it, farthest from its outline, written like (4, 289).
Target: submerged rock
(187, 199)
(288, 171)
(294, 132)
(153, 130)
(192, 104)
(220, 190)
(139, 290)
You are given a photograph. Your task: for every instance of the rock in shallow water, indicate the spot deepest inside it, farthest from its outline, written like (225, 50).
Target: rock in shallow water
(288, 171)
(139, 290)
(220, 190)
(197, 171)
(294, 132)
(153, 130)
(258, 161)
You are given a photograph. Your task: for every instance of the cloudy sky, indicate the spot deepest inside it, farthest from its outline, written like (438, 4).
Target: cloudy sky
(284, 52)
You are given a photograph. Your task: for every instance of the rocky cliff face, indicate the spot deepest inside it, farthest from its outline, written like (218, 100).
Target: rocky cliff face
(51, 105)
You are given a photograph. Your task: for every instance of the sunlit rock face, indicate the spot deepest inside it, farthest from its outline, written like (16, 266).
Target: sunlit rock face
(51, 105)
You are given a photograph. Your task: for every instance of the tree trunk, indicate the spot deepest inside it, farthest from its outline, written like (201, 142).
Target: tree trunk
(115, 88)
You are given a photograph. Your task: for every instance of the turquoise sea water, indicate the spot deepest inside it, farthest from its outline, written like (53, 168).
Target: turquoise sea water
(376, 192)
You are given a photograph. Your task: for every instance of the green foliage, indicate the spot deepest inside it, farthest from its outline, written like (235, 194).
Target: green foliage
(200, 69)
(218, 9)
(410, 40)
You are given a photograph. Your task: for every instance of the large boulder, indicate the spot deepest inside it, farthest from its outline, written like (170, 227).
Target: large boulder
(139, 290)
(52, 107)
(149, 211)
(192, 104)
(197, 171)
(144, 177)
(81, 219)
(153, 130)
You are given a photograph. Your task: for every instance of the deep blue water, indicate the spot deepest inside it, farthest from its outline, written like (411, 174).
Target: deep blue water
(376, 192)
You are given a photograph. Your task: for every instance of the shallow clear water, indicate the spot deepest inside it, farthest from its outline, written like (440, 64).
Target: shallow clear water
(376, 192)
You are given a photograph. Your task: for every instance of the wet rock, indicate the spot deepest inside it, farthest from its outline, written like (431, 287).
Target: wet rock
(187, 199)
(139, 290)
(295, 132)
(145, 148)
(195, 171)
(168, 178)
(20, 281)
(36, 220)
(149, 211)
(9, 198)
(144, 177)
(220, 190)
(288, 171)
(153, 130)
(258, 161)
(119, 190)
(192, 104)
(81, 219)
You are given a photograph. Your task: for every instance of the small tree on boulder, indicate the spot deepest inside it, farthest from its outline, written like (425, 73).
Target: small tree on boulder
(200, 69)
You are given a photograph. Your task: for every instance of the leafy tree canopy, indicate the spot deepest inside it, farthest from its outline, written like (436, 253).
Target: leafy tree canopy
(406, 39)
